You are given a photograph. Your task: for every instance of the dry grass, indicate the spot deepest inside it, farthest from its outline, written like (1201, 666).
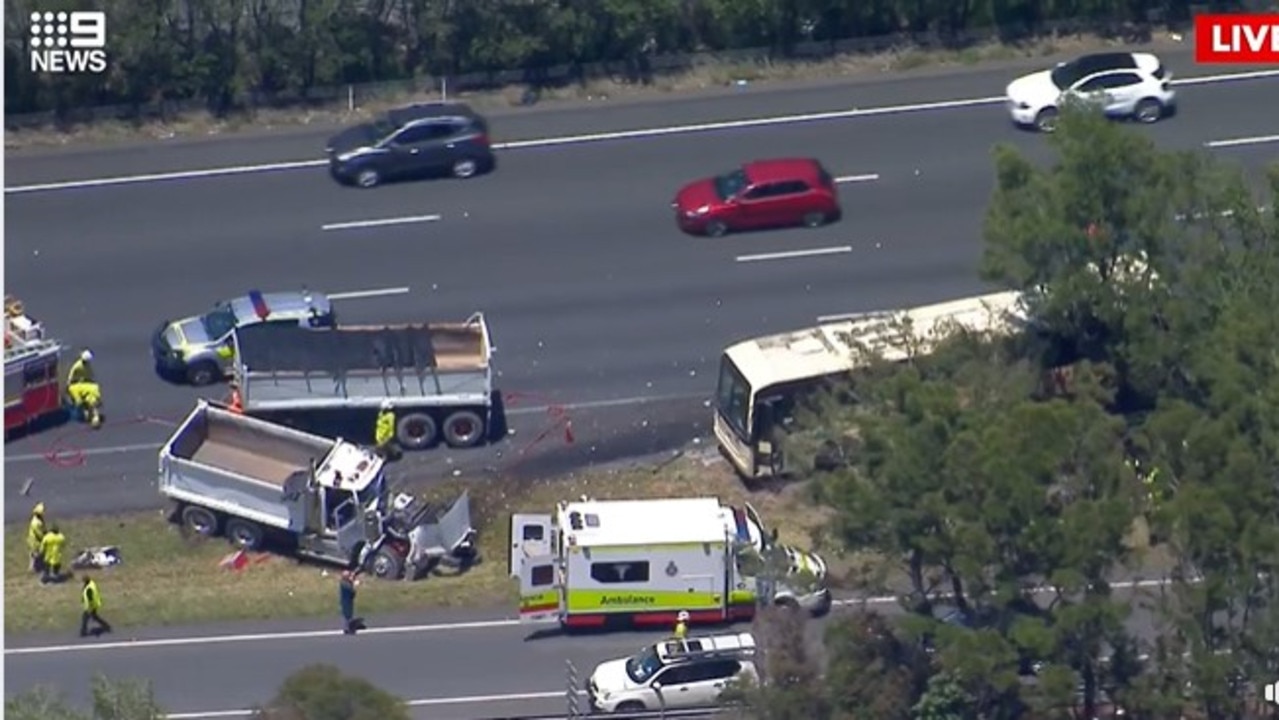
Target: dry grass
(709, 76)
(166, 579)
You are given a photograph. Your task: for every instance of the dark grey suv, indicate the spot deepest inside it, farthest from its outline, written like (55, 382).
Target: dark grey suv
(425, 140)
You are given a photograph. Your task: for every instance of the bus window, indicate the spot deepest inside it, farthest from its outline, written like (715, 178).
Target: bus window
(732, 397)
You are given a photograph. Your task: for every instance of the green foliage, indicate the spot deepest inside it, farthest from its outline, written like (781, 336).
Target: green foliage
(232, 54)
(322, 692)
(1015, 475)
(112, 700)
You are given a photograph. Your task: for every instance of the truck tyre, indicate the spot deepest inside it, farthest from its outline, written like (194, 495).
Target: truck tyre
(244, 534)
(463, 429)
(200, 521)
(416, 431)
(204, 373)
(387, 564)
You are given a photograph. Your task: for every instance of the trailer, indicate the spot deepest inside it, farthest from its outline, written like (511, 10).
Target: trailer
(438, 377)
(258, 483)
(626, 563)
(32, 375)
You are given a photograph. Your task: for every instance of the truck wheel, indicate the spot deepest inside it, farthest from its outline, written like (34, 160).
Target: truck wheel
(463, 429)
(244, 534)
(204, 373)
(200, 521)
(416, 431)
(387, 564)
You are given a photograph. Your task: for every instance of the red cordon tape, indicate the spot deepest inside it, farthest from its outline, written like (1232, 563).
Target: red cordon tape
(65, 455)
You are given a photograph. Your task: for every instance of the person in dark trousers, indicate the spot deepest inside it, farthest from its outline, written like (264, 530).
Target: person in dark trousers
(346, 600)
(91, 601)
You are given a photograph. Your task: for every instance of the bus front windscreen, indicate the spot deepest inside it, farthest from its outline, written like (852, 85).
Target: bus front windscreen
(732, 397)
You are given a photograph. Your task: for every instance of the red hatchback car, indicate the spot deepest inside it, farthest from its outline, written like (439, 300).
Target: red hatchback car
(760, 194)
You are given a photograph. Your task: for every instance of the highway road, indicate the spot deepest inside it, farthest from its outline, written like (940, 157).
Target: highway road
(595, 300)
(212, 672)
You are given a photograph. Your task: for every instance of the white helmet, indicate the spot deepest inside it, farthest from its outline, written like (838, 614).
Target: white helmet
(683, 616)
(386, 404)
(86, 355)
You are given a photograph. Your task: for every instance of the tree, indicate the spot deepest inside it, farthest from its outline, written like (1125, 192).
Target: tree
(322, 692)
(232, 55)
(1192, 340)
(112, 700)
(1010, 473)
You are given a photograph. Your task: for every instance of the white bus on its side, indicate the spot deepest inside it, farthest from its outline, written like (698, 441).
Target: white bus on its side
(760, 379)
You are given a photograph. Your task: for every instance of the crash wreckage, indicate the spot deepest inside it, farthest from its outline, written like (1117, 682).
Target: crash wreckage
(267, 486)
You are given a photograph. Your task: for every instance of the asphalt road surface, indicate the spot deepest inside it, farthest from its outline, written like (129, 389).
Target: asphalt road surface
(212, 672)
(596, 301)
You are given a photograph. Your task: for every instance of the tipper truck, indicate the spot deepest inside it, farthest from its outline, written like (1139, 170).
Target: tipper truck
(332, 381)
(257, 482)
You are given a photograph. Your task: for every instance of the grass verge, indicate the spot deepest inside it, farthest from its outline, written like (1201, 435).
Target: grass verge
(167, 579)
(710, 75)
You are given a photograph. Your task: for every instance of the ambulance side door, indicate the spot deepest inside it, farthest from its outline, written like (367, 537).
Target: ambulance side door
(540, 596)
(530, 537)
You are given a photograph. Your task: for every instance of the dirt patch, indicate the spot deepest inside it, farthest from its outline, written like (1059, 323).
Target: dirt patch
(167, 579)
(705, 77)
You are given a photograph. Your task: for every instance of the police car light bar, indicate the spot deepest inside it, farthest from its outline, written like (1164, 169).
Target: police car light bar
(259, 304)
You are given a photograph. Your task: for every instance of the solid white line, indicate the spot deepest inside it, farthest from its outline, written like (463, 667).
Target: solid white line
(194, 641)
(510, 412)
(840, 317)
(380, 223)
(422, 702)
(795, 254)
(1239, 142)
(618, 135)
(360, 294)
(856, 178)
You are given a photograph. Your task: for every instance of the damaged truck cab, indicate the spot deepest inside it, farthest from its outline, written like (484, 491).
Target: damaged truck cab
(264, 485)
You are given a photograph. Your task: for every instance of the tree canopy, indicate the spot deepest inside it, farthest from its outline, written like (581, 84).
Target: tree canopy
(230, 54)
(1010, 485)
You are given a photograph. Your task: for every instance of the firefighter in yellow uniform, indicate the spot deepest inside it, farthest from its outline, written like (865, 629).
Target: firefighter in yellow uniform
(35, 534)
(82, 388)
(384, 431)
(91, 601)
(681, 625)
(51, 553)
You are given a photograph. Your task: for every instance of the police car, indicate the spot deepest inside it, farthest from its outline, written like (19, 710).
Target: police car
(199, 349)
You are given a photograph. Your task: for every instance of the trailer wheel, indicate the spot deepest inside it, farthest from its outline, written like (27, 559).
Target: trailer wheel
(416, 431)
(387, 564)
(200, 521)
(463, 429)
(244, 534)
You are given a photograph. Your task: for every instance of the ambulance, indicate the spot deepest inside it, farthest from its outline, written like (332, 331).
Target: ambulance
(638, 563)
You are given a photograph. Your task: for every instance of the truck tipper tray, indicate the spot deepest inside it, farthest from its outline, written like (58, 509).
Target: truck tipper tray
(353, 349)
(213, 440)
(288, 368)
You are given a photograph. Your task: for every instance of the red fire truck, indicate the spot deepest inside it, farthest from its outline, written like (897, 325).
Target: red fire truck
(32, 387)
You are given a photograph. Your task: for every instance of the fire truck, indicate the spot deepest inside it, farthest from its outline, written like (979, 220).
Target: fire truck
(32, 387)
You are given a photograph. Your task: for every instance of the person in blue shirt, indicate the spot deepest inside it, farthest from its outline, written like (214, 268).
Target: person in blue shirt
(346, 600)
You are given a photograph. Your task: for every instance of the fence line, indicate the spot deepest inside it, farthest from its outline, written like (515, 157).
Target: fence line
(353, 96)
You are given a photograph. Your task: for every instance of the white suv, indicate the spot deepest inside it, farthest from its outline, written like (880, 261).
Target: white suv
(673, 674)
(1124, 85)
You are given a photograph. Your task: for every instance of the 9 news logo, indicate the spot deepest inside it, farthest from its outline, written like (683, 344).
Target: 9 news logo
(69, 42)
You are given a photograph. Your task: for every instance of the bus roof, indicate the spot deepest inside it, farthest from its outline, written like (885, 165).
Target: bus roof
(835, 348)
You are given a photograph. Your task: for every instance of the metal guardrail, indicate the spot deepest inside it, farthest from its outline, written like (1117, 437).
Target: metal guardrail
(707, 712)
